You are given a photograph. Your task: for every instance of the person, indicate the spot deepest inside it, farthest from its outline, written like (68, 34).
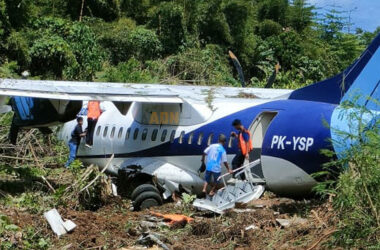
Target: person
(76, 136)
(244, 143)
(216, 155)
(93, 113)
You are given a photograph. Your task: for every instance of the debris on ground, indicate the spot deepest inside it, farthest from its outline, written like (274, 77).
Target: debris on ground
(291, 222)
(106, 222)
(251, 227)
(56, 223)
(174, 219)
(150, 239)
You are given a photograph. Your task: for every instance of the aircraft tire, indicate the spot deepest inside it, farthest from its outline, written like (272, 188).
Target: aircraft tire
(146, 200)
(143, 188)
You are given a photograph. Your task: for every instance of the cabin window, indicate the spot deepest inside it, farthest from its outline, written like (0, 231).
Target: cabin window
(163, 135)
(120, 133)
(112, 132)
(127, 134)
(98, 130)
(136, 134)
(230, 141)
(154, 134)
(105, 131)
(200, 138)
(190, 140)
(144, 134)
(181, 137)
(210, 137)
(172, 136)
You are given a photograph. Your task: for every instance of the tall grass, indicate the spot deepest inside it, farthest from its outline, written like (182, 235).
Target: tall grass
(356, 190)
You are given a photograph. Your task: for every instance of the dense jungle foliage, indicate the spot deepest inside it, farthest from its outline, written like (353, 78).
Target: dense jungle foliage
(175, 41)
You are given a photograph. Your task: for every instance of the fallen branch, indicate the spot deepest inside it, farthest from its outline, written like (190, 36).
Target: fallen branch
(103, 170)
(86, 173)
(48, 184)
(38, 163)
(16, 158)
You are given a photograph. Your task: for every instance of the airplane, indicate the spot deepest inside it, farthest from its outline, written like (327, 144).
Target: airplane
(155, 134)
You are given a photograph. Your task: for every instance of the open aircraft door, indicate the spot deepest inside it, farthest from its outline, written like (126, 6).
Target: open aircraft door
(258, 129)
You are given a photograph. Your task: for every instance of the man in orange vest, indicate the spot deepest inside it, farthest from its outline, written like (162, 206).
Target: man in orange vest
(244, 143)
(93, 113)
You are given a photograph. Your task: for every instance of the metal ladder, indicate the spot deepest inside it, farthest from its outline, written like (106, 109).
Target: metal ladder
(242, 191)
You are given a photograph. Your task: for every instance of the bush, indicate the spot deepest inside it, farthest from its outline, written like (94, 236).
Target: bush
(269, 28)
(131, 71)
(17, 48)
(114, 38)
(63, 49)
(201, 66)
(357, 189)
(50, 54)
(144, 44)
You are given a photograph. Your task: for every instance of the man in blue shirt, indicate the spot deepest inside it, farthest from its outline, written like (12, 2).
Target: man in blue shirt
(216, 155)
(76, 136)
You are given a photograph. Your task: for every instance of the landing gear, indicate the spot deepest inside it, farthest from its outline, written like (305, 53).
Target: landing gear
(145, 196)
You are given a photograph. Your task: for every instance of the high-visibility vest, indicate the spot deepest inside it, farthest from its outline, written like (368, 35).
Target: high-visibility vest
(93, 108)
(243, 143)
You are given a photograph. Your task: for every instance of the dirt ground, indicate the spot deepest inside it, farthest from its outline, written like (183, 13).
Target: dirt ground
(114, 226)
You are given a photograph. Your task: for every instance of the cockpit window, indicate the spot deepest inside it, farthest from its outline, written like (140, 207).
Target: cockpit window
(98, 130)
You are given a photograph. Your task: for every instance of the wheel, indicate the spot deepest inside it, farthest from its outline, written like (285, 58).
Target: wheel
(143, 188)
(146, 200)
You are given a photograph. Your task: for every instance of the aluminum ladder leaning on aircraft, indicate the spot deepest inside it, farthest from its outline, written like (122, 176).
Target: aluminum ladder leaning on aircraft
(157, 133)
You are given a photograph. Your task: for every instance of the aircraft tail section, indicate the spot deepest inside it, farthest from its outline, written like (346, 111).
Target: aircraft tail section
(362, 78)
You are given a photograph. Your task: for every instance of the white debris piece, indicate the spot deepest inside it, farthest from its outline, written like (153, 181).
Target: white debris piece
(247, 210)
(114, 189)
(291, 222)
(69, 225)
(57, 224)
(251, 227)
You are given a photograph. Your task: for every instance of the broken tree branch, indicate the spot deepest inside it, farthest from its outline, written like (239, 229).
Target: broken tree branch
(40, 165)
(93, 181)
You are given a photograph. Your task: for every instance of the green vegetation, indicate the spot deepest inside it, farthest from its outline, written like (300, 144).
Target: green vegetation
(356, 191)
(175, 41)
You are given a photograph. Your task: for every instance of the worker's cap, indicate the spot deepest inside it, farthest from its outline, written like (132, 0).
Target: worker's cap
(222, 138)
(236, 122)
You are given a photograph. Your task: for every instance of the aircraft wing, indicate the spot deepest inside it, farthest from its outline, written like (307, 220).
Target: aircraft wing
(85, 91)
(126, 92)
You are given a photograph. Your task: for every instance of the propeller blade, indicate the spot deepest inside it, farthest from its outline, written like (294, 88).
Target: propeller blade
(238, 67)
(272, 78)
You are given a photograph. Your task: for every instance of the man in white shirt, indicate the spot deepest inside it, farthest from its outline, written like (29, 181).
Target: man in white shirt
(216, 155)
